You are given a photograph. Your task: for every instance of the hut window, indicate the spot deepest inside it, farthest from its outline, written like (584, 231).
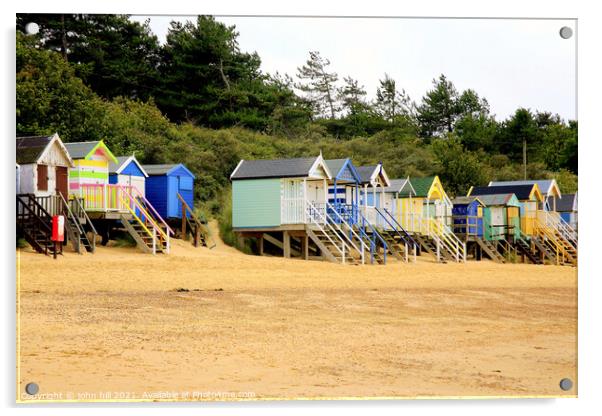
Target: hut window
(42, 178)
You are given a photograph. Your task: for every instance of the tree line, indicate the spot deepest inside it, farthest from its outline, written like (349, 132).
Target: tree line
(200, 100)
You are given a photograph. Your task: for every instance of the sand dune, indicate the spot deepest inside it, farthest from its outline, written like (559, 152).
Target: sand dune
(114, 326)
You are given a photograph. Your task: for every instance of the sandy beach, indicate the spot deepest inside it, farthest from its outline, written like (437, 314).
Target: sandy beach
(218, 324)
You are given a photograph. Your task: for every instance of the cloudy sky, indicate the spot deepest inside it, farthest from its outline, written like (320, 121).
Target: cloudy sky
(512, 63)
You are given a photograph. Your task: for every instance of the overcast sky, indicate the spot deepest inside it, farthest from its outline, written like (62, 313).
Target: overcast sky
(512, 63)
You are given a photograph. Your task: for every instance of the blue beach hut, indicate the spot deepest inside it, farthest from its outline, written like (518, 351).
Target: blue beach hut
(467, 214)
(164, 184)
(128, 171)
(343, 193)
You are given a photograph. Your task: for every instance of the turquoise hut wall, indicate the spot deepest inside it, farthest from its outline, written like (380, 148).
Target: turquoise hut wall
(256, 203)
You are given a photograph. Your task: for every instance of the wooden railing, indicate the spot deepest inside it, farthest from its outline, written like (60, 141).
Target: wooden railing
(136, 194)
(148, 223)
(434, 227)
(104, 197)
(466, 225)
(316, 216)
(555, 221)
(30, 215)
(347, 229)
(196, 226)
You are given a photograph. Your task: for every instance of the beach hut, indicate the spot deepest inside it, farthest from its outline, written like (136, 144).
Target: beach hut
(89, 177)
(528, 195)
(343, 188)
(43, 164)
(392, 194)
(166, 186)
(286, 203)
(548, 187)
(428, 200)
(373, 181)
(567, 208)
(501, 216)
(128, 171)
(271, 193)
(467, 217)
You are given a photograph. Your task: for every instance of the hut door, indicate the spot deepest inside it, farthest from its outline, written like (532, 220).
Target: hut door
(497, 221)
(62, 182)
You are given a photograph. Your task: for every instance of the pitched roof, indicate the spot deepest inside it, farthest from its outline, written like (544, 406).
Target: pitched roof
(336, 165)
(275, 168)
(422, 185)
(30, 148)
(164, 169)
(546, 186)
(496, 199)
(366, 172)
(399, 185)
(122, 162)
(466, 200)
(567, 203)
(79, 150)
(522, 192)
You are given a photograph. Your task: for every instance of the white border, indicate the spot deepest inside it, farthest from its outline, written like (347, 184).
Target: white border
(590, 309)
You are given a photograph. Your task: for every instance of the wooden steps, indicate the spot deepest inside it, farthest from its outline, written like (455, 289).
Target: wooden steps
(34, 223)
(395, 244)
(191, 224)
(330, 244)
(491, 249)
(524, 248)
(429, 245)
(142, 235)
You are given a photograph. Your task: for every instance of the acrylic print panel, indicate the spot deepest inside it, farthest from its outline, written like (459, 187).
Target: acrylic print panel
(449, 270)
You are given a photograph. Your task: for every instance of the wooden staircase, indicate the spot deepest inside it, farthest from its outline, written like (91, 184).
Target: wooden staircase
(543, 250)
(85, 224)
(326, 240)
(34, 223)
(198, 230)
(145, 239)
(147, 229)
(429, 245)
(77, 223)
(337, 240)
(492, 250)
(399, 241)
(433, 233)
(554, 241)
(523, 247)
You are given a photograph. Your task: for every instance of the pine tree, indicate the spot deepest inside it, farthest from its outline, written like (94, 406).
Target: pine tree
(351, 95)
(320, 85)
(391, 103)
(439, 109)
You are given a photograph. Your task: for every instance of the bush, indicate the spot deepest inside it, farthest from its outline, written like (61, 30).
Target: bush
(225, 224)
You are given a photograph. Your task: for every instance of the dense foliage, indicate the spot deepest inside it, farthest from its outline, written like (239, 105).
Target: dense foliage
(200, 100)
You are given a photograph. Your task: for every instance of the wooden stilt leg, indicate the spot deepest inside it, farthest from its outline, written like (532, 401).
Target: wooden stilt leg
(286, 244)
(183, 222)
(305, 247)
(260, 244)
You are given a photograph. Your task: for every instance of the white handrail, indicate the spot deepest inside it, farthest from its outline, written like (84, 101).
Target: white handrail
(350, 228)
(455, 246)
(310, 210)
(153, 210)
(554, 220)
(150, 219)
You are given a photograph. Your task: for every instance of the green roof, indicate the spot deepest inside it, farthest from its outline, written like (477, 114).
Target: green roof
(421, 186)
